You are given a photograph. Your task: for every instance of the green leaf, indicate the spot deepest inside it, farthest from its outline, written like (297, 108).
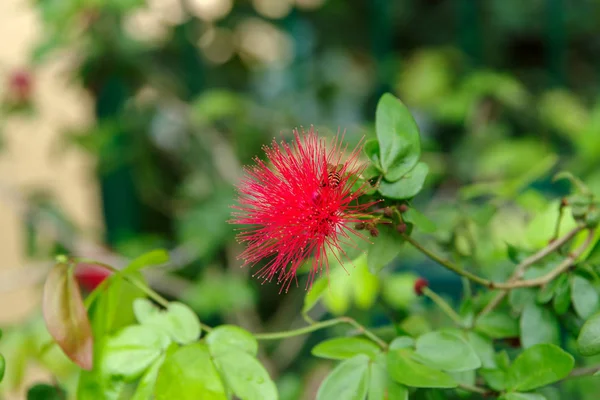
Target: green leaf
(398, 135)
(447, 351)
(522, 396)
(42, 391)
(189, 374)
(403, 369)
(371, 150)
(402, 342)
(539, 365)
(2, 367)
(314, 294)
(381, 387)
(538, 325)
(419, 220)
(588, 341)
(495, 378)
(484, 349)
(178, 320)
(93, 385)
(349, 380)
(407, 186)
(145, 387)
(385, 248)
(343, 348)
(519, 298)
(66, 317)
(584, 296)
(562, 295)
(133, 349)
(230, 338)
(498, 325)
(245, 376)
(153, 258)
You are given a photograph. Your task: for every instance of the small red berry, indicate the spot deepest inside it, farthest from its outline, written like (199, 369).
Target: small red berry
(420, 284)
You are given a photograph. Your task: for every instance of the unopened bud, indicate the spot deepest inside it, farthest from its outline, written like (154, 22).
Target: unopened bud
(403, 208)
(360, 226)
(374, 232)
(420, 284)
(401, 228)
(388, 212)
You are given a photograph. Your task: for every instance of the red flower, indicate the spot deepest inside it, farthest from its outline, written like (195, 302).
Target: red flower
(300, 206)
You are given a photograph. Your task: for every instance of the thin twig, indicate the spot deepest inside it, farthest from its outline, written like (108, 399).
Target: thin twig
(583, 371)
(444, 306)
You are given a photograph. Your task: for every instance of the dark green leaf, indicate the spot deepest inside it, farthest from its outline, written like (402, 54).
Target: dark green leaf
(562, 295)
(538, 325)
(349, 380)
(498, 325)
(189, 374)
(385, 248)
(539, 365)
(407, 186)
(245, 376)
(584, 296)
(153, 258)
(178, 321)
(381, 387)
(403, 369)
(447, 351)
(588, 341)
(343, 348)
(133, 349)
(230, 338)
(42, 391)
(2, 367)
(398, 135)
(66, 317)
(419, 220)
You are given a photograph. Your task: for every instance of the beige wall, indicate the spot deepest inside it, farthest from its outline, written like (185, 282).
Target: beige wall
(33, 156)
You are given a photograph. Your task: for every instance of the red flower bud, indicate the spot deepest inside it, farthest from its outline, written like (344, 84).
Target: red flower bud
(403, 208)
(20, 85)
(420, 284)
(90, 276)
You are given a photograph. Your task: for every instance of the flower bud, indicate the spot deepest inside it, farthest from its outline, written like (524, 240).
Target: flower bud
(360, 226)
(420, 284)
(374, 232)
(388, 212)
(403, 208)
(401, 228)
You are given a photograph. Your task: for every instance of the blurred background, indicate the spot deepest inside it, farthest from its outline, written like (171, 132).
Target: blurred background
(124, 125)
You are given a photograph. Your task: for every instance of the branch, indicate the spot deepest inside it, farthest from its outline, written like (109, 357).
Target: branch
(583, 371)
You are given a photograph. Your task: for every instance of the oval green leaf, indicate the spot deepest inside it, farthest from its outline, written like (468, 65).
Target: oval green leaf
(398, 135)
(145, 387)
(343, 348)
(522, 396)
(539, 365)
(584, 296)
(189, 374)
(381, 386)
(66, 317)
(132, 350)
(403, 369)
(349, 380)
(246, 376)
(498, 325)
(179, 321)
(230, 338)
(447, 351)
(538, 325)
(402, 342)
(152, 258)
(407, 186)
(385, 248)
(419, 220)
(588, 341)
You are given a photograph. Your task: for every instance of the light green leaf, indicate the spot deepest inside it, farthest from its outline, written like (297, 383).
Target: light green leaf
(381, 387)
(522, 396)
(245, 376)
(145, 387)
(403, 369)
(447, 351)
(495, 378)
(407, 186)
(189, 374)
(153, 258)
(385, 248)
(314, 294)
(539, 365)
(398, 136)
(230, 338)
(402, 342)
(484, 349)
(538, 325)
(588, 341)
(419, 220)
(132, 350)
(584, 296)
(498, 325)
(343, 348)
(371, 149)
(178, 320)
(349, 380)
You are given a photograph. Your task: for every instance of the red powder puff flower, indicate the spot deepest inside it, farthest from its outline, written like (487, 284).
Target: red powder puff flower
(300, 206)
